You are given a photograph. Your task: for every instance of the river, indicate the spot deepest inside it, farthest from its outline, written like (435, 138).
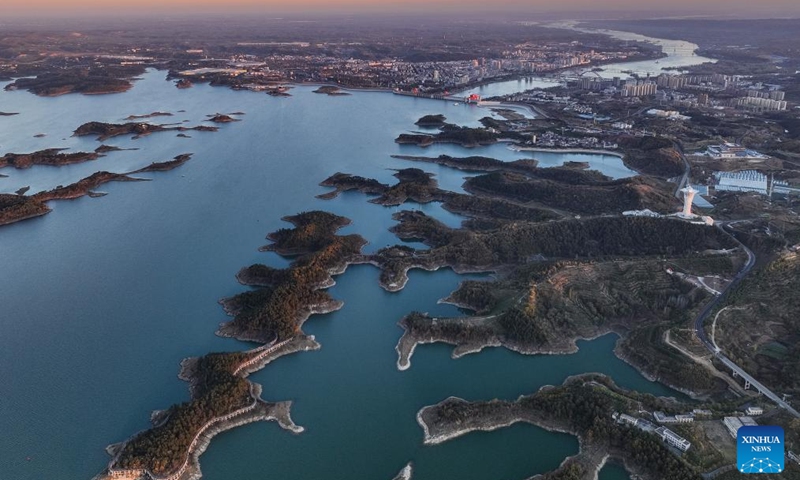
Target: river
(679, 54)
(103, 297)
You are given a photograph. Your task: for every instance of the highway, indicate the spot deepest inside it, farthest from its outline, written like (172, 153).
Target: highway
(701, 333)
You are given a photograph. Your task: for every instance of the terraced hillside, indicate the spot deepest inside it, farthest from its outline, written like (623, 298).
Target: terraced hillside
(759, 327)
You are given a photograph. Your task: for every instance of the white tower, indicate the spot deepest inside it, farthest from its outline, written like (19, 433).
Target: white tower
(688, 198)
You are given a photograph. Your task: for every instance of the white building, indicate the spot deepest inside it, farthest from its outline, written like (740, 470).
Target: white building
(673, 439)
(754, 411)
(662, 418)
(623, 418)
(641, 213)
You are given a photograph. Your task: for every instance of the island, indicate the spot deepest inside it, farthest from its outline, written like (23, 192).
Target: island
(431, 121)
(287, 297)
(148, 115)
(50, 156)
(221, 118)
(272, 315)
(331, 90)
(221, 399)
(104, 131)
(165, 166)
(88, 81)
(16, 208)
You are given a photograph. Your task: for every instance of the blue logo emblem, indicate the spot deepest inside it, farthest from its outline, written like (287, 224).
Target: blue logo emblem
(760, 449)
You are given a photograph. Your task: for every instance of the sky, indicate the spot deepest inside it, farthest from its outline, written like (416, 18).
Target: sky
(758, 8)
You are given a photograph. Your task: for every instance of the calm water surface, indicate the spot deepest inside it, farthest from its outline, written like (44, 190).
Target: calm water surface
(613, 471)
(103, 297)
(680, 54)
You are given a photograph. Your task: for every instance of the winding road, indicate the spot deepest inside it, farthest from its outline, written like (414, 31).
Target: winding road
(701, 333)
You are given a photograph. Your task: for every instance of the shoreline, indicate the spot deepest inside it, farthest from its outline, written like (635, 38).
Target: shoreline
(258, 410)
(491, 415)
(407, 344)
(587, 151)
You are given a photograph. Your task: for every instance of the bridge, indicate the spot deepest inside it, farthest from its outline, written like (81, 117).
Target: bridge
(738, 371)
(750, 381)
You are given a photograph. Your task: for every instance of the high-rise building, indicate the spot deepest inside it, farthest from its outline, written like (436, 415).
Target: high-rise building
(639, 89)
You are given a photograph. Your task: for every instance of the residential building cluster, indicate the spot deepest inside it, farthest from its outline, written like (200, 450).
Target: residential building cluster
(554, 140)
(639, 88)
(692, 90)
(395, 73)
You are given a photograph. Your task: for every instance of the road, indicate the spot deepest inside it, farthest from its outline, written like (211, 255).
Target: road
(686, 169)
(701, 333)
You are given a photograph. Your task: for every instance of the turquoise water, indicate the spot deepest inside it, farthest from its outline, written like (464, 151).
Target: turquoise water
(102, 298)
(613, 471)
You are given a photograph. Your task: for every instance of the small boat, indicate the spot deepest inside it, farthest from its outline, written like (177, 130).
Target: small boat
(456, 104)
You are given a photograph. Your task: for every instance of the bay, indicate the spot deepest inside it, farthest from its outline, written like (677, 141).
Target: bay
(103, 297)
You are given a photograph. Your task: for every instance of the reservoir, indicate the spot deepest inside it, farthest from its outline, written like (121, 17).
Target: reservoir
(103, 297)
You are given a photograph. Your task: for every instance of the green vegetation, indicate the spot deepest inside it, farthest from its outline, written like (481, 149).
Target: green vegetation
(465, 136)
(516, 242)
(215, 392)
(418, 186)
(50, 156)
(477, 296)
(82, 187)
(586, 199)
(431, 121)
(583, 406)
(104, 131)
(760, 326)
(14, 208)
(545, 306)
(645, 348)
(652, 156)
(289, 296)
(109, 79)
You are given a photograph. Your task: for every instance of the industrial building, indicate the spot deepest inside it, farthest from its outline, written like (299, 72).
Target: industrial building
(734, 423)
(744, 181)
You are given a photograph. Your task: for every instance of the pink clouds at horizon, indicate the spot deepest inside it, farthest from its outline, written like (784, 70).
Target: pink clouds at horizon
(679, 7)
